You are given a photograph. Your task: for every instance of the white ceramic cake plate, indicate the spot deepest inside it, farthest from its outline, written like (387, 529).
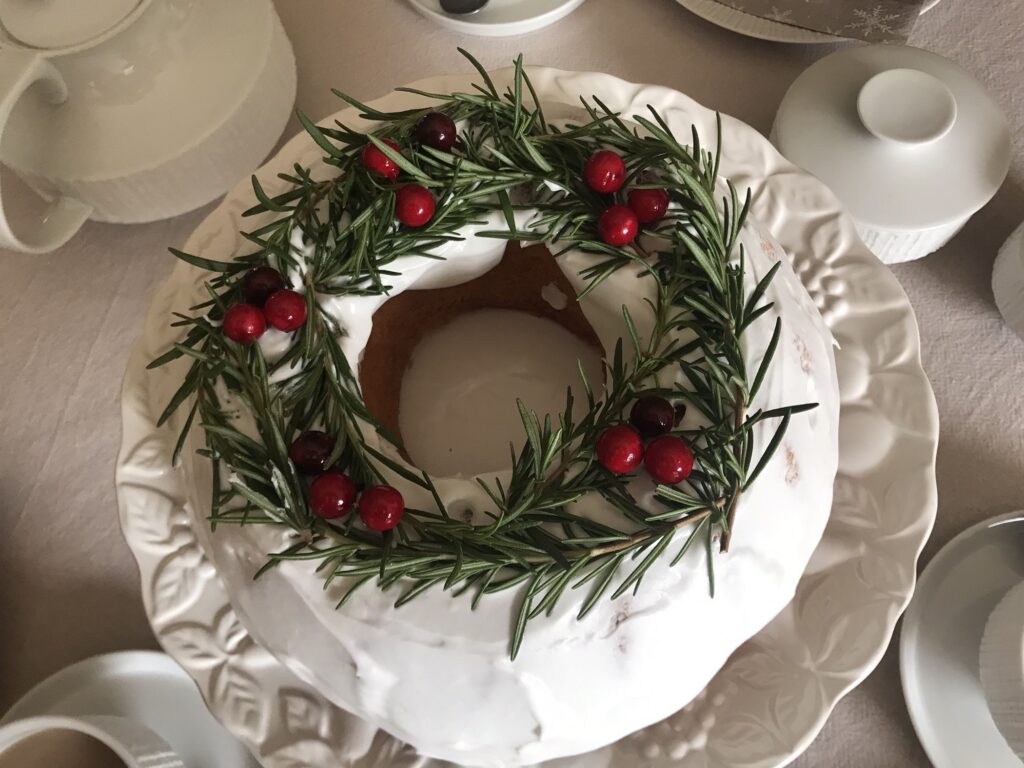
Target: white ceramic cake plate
(773, 696)
(941, 639)
(500, 18)
(765, 29)
(144, 686)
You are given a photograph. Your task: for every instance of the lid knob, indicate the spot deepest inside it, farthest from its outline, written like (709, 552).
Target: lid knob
(906, 106)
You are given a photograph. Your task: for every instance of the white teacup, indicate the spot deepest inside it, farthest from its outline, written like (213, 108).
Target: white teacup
(135, 110)
(93, 741)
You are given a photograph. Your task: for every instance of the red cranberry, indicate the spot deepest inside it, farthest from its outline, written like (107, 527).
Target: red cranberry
(332, 495)
(414, 205)
(649, 205)
(244, 323)
(669, 459)
(286, 310)
(605, 171)
(259, 283)
(311, 450)
(617, 225)
(652, 416)
(378, 162)
(435, 129)
(381, 507)
(620, 449)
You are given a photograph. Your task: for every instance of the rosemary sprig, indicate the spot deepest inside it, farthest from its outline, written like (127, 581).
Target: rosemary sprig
(335, 234)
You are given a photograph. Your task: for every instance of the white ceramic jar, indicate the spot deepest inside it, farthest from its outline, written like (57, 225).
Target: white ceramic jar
(909, 141)
(141, 110)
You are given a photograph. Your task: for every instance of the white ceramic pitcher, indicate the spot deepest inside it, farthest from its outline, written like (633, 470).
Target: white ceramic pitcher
(134, 110)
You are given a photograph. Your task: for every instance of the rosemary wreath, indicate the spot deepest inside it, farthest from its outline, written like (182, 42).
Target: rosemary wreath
(534, 539)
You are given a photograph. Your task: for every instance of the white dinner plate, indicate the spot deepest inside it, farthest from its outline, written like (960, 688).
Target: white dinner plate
(500, 18)
(774, 694)
(754, 26)
(144, 686)
(941, 641)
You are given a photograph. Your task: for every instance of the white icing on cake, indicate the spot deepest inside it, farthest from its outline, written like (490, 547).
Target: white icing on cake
(438, 675)
(458, 411)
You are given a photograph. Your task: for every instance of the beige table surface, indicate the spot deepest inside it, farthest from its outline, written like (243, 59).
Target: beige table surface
(68, 585)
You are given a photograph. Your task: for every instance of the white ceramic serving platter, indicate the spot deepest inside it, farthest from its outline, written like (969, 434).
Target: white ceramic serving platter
(773, 696)
(144, 686)
(766, 29)
(500, 18)
(941, 640)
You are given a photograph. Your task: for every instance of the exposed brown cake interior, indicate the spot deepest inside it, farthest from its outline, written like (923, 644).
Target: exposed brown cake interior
(403, 321)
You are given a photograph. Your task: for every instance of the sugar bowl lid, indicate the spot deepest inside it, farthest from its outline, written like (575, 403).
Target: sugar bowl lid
(908, 140)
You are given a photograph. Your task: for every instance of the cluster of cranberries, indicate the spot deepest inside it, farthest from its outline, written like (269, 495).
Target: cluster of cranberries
(267, 301)
(605, 172)
(414, 204)
(667, 458)
(333, 493)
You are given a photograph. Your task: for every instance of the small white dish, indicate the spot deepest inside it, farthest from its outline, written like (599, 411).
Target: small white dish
(143, 686)
(500, 18)
(941, 640)
(764, 29)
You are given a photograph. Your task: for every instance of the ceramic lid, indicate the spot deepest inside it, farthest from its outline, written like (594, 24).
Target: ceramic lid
(908, 140)
(60, 24)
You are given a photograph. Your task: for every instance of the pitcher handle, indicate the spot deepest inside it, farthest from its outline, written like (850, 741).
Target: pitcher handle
(20, 70)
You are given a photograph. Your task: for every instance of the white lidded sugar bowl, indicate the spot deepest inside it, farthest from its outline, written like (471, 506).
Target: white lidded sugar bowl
(135, 110)
(909, 141)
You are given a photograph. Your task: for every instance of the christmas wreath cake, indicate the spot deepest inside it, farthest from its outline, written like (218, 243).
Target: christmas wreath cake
(636, 536)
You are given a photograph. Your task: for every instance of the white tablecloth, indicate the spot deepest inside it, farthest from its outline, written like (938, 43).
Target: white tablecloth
(68, 585)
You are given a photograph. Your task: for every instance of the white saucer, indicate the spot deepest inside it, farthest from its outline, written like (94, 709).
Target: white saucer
(501, 18)
(941, 640)
(145, 686)
(765, 29)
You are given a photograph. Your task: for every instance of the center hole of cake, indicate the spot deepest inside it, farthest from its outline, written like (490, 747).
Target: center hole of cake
(444, 365)
(458, 411)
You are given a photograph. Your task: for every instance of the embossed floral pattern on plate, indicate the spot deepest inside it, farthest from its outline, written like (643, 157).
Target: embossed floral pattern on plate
(770, 700)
